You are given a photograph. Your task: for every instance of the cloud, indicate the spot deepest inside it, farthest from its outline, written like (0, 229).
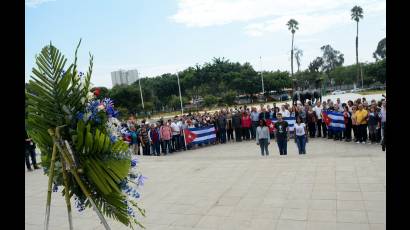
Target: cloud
(272, 15)
(35, 3)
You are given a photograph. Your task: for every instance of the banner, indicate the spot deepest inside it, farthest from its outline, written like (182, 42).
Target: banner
(334, 120)
(291, 122)
(200, 135)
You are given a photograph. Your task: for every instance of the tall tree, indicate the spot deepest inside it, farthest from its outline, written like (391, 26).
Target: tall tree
(316, 64)
(357, 14)
(298, 56)
(380, 52)
(331, 59)
(292, 26)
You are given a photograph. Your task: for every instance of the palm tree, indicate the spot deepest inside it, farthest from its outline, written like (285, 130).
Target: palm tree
(357, 14)
(298, 55)
(292, 26)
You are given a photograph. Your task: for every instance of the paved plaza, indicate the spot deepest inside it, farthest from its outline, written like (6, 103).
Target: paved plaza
(337, 185)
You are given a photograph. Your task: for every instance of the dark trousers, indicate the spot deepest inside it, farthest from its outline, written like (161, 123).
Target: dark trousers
(337, 135)
(321, 126)
(146, 149)
(238, 134)
(373, 133)
(282, 144)
(182, 142)
(222, 135)
(312, 129)
(263, 143)
(355, 132)
(162, 146)
(245, 133)
(379, 135)
(230, 134)
(362, 133)
(30, 153)
(301, 143)
(348, 132)
(253, 129)
(175, 142)
(167, 146)
(155, 148)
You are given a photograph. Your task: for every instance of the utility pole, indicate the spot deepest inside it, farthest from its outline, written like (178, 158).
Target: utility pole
(263, 87)
(142, 100)
(180, 97)
(361, 73)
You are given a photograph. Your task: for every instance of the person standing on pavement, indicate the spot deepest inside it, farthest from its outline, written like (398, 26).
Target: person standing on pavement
(255, 121)
(246, 125)
(134, 141)
(301, 135)
(348, 124)
(229, 128)
(383, 124)
(311, 121)
(282, 134)
(145, 142)
(30, 151)
(321, 126)
(176, 134)
(222, 127)
(262, 137)
(154, 137)
(166, 136)
(237, 125)
(361, 118)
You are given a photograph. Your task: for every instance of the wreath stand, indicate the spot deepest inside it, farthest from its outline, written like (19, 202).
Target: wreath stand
(68, 166)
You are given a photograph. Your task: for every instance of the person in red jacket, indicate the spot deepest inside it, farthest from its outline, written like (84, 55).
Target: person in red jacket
(246, 125)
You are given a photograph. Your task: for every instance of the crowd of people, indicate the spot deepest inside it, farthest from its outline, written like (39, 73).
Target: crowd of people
(365, 122)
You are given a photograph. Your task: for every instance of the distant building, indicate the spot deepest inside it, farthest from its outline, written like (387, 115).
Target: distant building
(124, 77)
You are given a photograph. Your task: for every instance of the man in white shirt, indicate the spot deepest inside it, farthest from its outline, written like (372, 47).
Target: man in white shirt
(285, 112)
(320, 125)
(176, 134)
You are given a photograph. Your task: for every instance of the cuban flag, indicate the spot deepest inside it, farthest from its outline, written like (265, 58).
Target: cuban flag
(291, 122)
(334, 120)
(200, 135)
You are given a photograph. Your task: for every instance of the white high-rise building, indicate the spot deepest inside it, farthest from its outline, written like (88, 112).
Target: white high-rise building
(124, 77)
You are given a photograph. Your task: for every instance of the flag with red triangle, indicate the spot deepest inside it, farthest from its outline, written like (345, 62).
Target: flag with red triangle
(326, 119)
(189, 136)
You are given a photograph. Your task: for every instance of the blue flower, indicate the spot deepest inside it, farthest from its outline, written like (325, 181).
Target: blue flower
(134, 162)
(113, 138)
(80, 116)
(141, 180)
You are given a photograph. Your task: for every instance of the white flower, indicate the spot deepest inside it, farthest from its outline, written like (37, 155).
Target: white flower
(101, 107)
(90, 96)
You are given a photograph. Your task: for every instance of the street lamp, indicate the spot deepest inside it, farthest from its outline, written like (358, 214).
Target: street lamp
(263, 87)
(142, 99)
(180, 97)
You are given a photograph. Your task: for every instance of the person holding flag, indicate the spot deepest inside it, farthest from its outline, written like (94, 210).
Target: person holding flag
(282, 134)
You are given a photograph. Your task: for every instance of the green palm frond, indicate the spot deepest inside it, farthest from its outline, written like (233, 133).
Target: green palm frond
(56, 94)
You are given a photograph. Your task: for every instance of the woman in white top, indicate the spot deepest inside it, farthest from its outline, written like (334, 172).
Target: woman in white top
(300, 135)
(263, 137)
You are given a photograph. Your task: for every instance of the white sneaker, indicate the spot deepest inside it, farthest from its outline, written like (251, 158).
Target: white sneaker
(358, 142)
(364, 142)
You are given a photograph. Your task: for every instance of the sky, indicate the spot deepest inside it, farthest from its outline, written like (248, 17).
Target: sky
(166, 36)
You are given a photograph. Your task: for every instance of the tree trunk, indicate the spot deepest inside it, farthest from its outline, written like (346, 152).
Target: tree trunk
(291, 57)
(357, 52)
